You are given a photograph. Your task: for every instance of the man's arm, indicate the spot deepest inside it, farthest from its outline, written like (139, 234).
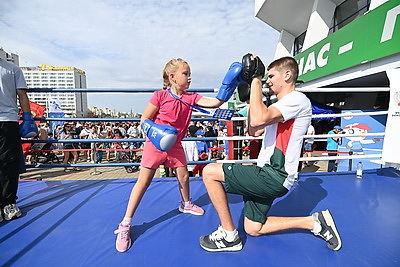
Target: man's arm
(23, 100)
(259, 115)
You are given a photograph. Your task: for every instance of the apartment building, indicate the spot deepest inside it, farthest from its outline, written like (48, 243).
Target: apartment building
(48, 76)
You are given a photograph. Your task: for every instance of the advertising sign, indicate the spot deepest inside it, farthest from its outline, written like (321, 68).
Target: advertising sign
(372, 36)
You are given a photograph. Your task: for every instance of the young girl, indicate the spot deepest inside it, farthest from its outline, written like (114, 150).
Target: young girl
(165, 109)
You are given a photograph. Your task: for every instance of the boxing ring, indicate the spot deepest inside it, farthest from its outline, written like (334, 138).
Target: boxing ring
(71, 223)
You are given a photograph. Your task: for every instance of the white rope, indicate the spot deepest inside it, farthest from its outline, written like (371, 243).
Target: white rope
(340, 157)
(316, 136)
(345, 89)
(249, 161)
(231, 138)
(240, 161)
(342, 135)
(350, 114)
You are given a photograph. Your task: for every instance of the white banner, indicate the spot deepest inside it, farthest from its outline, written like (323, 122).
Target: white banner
(55, 105)
(391, 144)
(55, 111)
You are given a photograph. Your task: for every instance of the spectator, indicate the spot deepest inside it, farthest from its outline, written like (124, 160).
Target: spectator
(69, 148)
(332, 146)
(308, 144)
(85, 146)
(210, 133)
(191, 153)
(95, 154)
(192, 128)
(116, 145)
(202, 151)
(134, 132)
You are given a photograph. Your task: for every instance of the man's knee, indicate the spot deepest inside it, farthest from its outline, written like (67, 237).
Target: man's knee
(213, 171)
(251, 227)
(207, 173)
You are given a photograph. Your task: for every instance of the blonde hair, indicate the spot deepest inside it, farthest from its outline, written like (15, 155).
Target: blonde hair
(171, 67)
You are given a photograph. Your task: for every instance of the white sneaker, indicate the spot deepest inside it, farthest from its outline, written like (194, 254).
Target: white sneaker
(11, 211)
(216, 242)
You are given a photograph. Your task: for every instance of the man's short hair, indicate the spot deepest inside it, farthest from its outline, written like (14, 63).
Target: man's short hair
(285, 63)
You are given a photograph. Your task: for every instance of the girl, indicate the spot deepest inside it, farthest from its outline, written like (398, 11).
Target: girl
(166, 107)
(67, 134)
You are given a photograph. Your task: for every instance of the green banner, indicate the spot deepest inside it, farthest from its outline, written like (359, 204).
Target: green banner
(369, 37)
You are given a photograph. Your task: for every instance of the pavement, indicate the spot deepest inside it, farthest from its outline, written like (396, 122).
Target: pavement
(104, 173)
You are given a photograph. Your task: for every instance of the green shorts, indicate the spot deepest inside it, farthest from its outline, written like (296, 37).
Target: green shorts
(258, 186)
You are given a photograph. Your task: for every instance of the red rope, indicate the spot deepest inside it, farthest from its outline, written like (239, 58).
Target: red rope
(87, 149)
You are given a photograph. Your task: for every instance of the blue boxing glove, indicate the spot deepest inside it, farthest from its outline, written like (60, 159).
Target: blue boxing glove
(163, 137)
(231, 80)
(28, 127)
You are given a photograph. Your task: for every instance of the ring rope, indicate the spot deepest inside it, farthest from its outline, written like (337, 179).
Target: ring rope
(314, 116)
(222, 138)
(111, 90)
(219, 138)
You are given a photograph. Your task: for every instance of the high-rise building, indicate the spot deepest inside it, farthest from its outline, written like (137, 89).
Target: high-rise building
(48, 76)
(13, 58)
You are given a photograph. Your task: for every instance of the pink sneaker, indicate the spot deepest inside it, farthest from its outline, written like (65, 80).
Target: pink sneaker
(123, 242)
(191, 208)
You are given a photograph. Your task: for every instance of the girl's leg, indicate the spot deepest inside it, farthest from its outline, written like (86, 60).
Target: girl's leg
(123, 241)
(75, 155)
(66, 156)
(65, 160)
(186, 206)
(145, 177)
(183, 180)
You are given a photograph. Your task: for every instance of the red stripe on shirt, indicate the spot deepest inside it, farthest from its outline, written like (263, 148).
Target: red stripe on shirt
(283, 134)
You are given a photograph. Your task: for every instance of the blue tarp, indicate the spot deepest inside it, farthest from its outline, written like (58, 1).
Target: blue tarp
(71, 223)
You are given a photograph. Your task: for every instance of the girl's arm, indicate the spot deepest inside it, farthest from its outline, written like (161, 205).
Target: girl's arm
(209, 102)
(149, 112)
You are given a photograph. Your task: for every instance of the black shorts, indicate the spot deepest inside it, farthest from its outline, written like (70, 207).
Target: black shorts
(70, 146)
(258, 186)
(85, 145)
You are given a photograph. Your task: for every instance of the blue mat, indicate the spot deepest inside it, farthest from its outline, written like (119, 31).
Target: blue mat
(71, 223)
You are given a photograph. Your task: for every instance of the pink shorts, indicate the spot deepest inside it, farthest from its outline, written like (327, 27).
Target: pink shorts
(152, 157)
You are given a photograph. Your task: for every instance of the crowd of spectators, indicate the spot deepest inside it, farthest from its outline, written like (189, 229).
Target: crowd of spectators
(96, 152)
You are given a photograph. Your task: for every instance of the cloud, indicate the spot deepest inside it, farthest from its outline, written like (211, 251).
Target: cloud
(125, 44)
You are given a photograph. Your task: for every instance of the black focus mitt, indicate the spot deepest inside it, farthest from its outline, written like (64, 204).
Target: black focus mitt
(252, 67)
(243, 91)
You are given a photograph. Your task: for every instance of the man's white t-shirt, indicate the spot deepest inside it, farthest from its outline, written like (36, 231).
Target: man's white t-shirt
(283, 141)
(11, 79)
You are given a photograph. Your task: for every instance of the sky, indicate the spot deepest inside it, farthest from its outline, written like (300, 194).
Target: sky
(126, 43)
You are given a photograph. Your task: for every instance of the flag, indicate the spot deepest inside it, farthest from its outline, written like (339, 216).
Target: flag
(55, 111)
(36, 110)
